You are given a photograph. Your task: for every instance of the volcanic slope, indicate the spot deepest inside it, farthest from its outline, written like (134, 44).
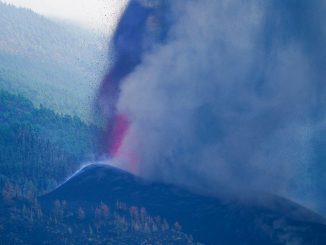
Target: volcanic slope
(268, 220)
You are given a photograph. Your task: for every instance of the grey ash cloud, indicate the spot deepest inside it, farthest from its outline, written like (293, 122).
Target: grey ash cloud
(235, 99)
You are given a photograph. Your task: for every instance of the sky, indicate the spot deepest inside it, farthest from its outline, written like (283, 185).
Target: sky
(97, 14)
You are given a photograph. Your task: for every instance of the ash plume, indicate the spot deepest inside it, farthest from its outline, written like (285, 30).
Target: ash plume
(233, 97)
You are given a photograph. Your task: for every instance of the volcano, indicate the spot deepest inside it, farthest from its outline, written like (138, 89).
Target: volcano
(268, 219)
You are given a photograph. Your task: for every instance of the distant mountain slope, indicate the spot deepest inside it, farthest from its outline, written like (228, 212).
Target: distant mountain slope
(39, 148)
(271, 220)
(53, 64)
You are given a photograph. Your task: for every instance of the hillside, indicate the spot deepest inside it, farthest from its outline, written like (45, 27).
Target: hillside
(104, 205)
(266, 219)
(53, 64)
(39, 148)
(27, 222)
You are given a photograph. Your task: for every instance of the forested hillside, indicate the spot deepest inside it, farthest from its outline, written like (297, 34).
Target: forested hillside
(29, 222)
(39, 148)
(50, 63)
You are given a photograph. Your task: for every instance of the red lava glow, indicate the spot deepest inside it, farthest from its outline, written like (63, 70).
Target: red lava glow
(119, 132)
(140, 28)
(120, 129)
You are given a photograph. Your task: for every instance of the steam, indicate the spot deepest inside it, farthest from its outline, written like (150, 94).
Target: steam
(235, 99)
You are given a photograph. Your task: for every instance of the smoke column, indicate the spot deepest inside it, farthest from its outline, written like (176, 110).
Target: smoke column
(222, 95)
(142, 26)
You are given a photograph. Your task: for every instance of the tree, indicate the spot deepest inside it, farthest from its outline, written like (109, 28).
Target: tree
(81, 214)
(177, 226)
(105, 210)
(8, 193)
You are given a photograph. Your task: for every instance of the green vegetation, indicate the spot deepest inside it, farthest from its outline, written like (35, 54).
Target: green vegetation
(39, 148)
(62, 222)
(50, 63)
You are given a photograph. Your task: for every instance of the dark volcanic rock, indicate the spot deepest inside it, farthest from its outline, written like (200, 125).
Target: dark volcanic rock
(267, 220)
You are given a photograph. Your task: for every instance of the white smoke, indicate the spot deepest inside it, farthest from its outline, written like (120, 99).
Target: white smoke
(235, 99)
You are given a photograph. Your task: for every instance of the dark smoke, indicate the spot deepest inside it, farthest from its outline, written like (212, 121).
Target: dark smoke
(143, 25)
(232, 97)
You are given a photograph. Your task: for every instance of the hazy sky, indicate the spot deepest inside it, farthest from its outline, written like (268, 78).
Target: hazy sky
(99, 14)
